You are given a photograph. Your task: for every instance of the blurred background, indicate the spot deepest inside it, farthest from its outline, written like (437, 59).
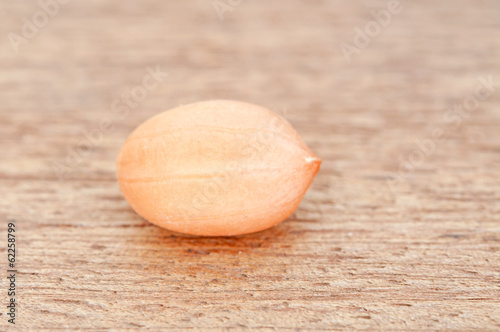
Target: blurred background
(401, 100)
(65, 62)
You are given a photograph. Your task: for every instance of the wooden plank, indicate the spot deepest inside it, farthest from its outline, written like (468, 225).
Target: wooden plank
(400, 229)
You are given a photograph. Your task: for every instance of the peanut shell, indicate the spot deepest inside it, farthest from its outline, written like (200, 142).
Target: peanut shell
(215, 168)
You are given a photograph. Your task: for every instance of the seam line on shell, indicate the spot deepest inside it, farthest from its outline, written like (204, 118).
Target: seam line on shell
(203, 176)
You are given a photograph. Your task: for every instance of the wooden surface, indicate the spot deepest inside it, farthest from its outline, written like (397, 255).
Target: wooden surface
(373, 245)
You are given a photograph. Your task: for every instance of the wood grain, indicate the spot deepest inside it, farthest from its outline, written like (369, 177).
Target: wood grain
(375, 244)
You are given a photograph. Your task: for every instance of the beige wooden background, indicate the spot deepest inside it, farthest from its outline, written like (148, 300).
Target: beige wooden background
(378, 243)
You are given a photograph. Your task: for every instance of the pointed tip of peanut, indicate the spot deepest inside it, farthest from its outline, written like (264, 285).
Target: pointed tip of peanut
(313, 160)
